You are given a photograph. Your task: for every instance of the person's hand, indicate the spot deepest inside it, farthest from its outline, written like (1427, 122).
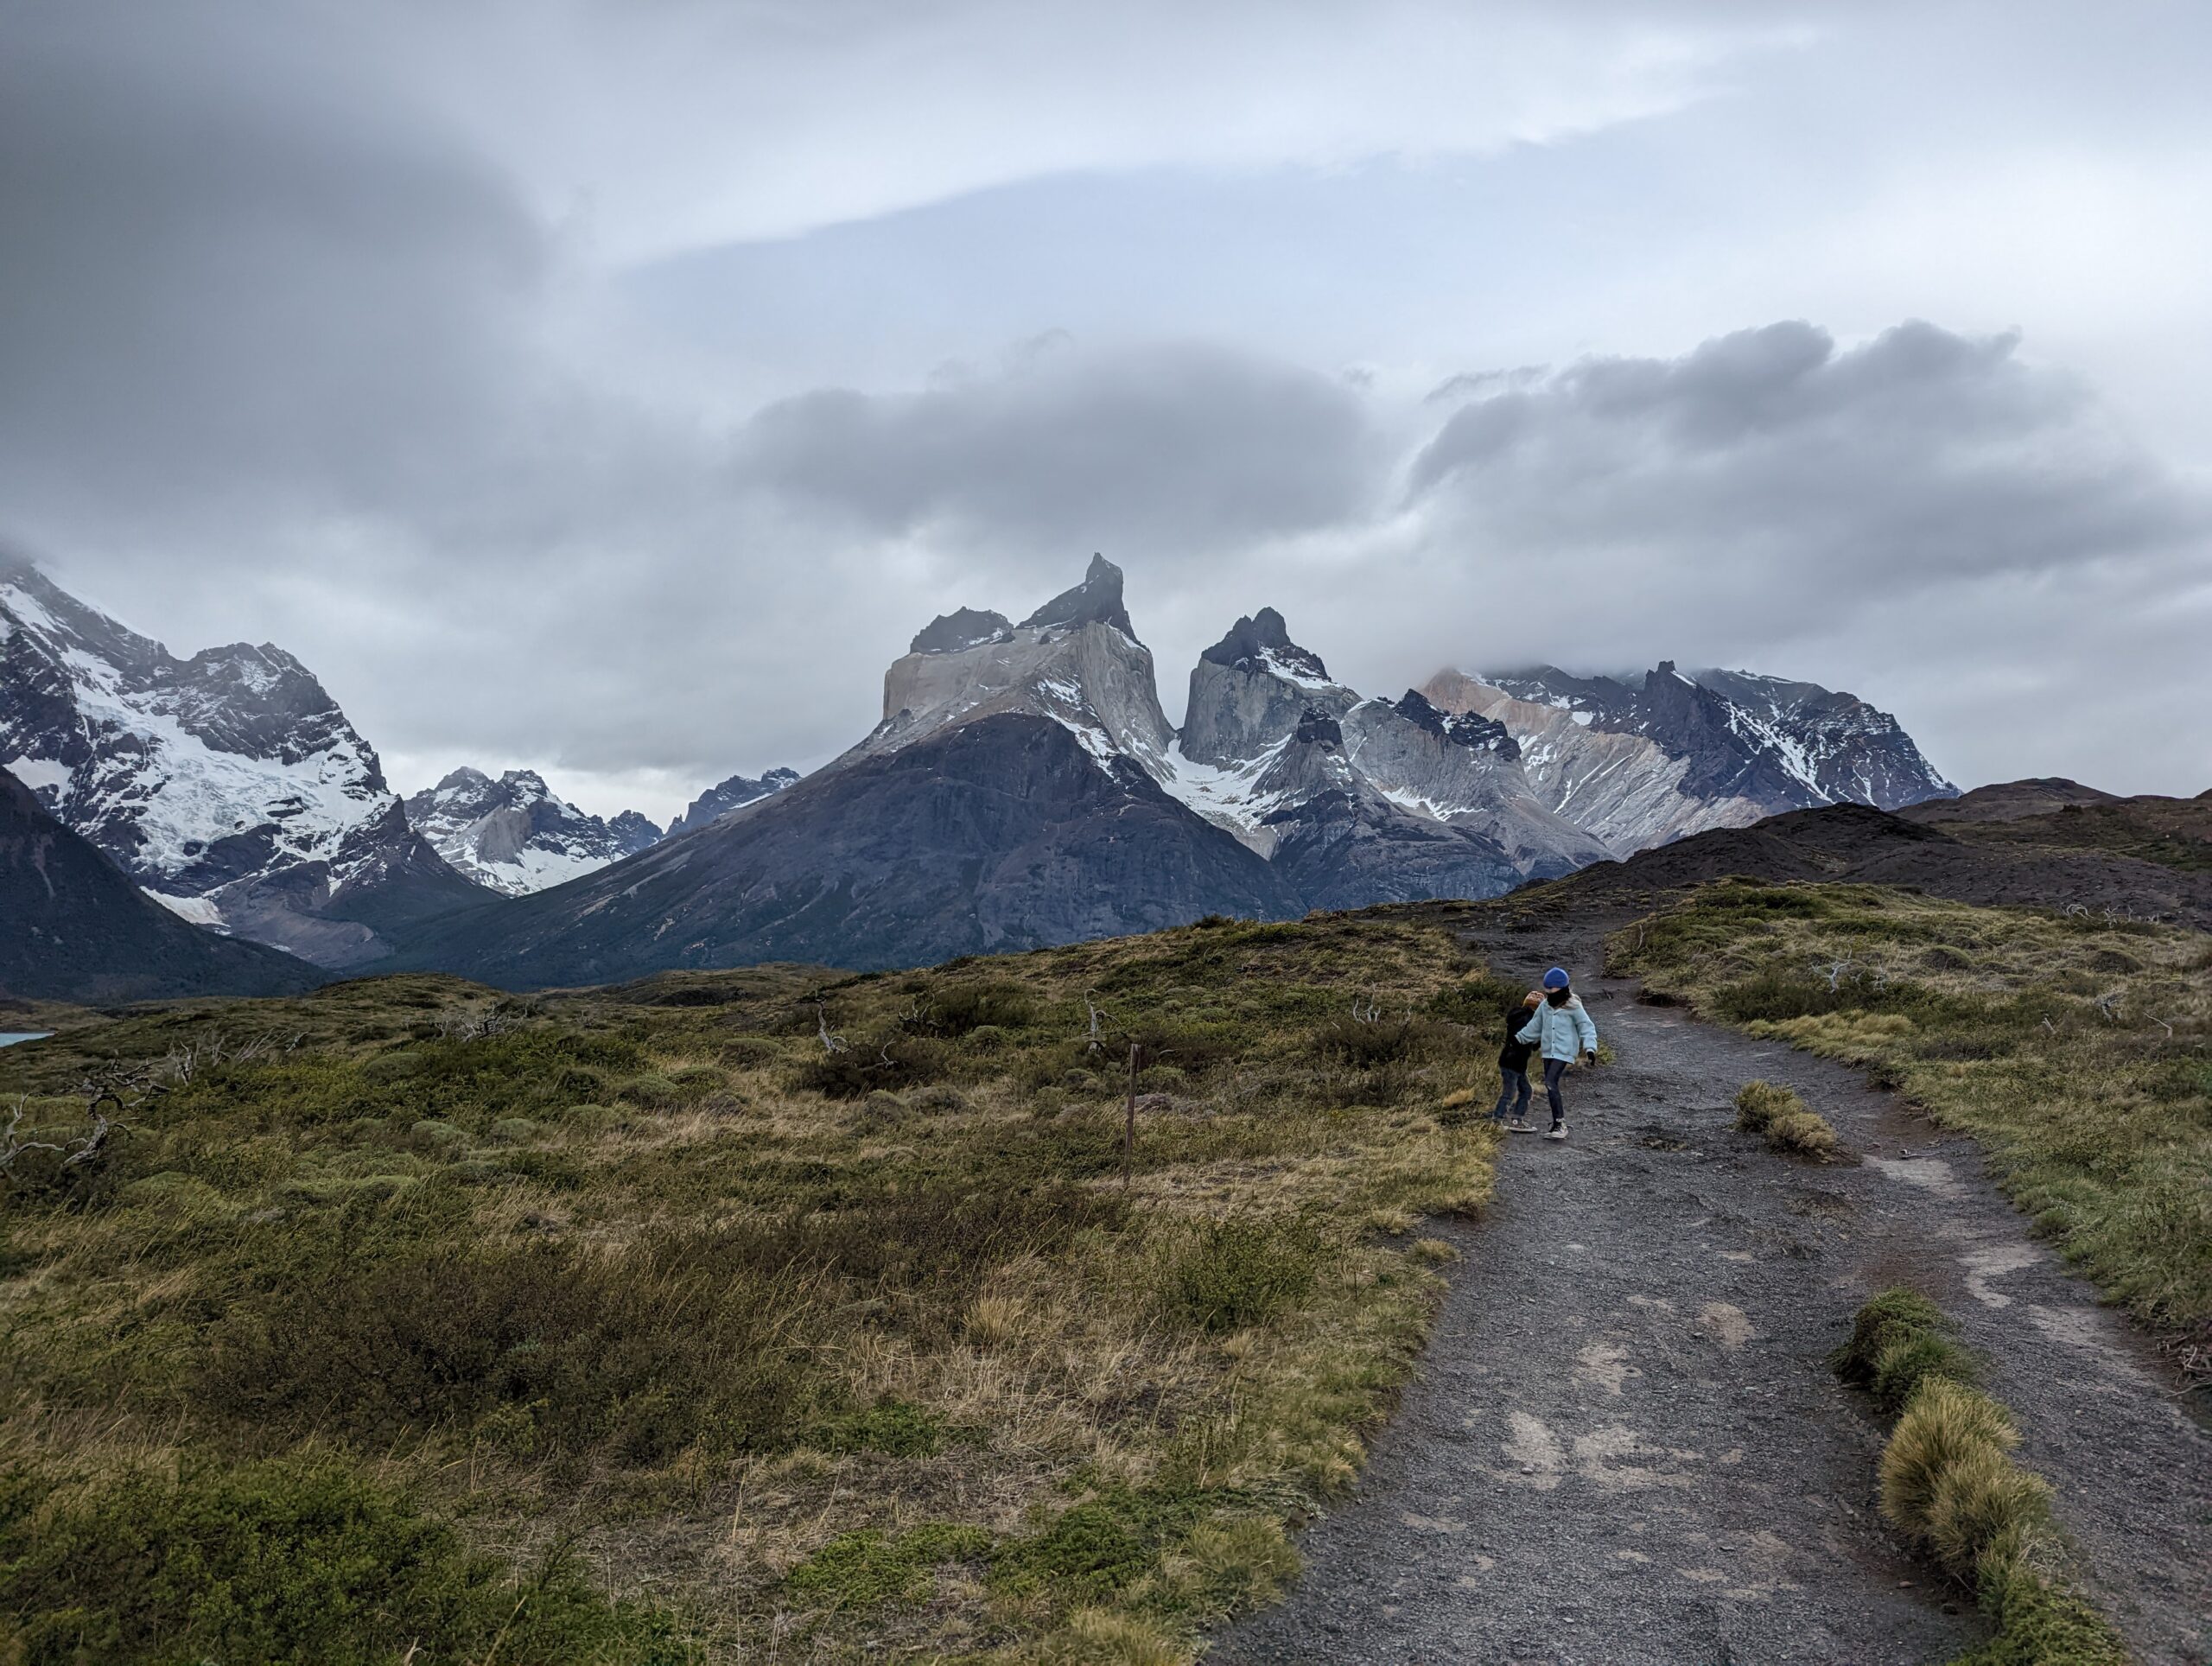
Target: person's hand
(1593, 1056)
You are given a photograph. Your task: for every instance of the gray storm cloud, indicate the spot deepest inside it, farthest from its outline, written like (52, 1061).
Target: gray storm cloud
(313, 330)
(1174, 449)
(1920, 456)
(223, 277)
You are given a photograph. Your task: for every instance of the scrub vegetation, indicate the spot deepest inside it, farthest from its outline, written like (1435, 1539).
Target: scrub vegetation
(1785, 1121)
(723, 1315)
(1950, 1484)
(2076, 1049)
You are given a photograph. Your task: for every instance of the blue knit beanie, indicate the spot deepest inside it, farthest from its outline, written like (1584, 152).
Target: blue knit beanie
(1556, 978)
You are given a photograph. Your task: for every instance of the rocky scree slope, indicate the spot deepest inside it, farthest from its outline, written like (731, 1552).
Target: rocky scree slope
(513, 835)
(1638, 763)
(229, 785)
(73, 928)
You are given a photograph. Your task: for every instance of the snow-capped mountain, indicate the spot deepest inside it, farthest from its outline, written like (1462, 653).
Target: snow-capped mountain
(1023, 787)
(1640, 762)
(735, 794)
(514, 835)
(228, 784)
(73, 928)
(1239, 761)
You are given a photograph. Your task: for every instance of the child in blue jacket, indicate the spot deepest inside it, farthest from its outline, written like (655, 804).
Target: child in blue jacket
(1562, 1032)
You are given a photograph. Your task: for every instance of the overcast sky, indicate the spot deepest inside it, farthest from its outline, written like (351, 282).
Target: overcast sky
(614, 388)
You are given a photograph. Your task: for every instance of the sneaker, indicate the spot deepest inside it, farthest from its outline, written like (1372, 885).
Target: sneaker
(1521, 1125)
(1557, 1131)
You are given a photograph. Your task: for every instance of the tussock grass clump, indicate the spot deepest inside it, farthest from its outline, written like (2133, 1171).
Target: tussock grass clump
(1096, 1637)
(2039, 1621)
(1948, 1483)
(1786, 1123)
(1897, 1338)
(1944, 1424)
(1803, 1134)
(1758, 1103)
(1984, 1503)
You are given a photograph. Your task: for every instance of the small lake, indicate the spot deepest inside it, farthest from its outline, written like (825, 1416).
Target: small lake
(9, 1038)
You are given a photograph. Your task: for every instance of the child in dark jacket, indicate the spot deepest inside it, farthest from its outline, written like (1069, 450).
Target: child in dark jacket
(1513, 1067)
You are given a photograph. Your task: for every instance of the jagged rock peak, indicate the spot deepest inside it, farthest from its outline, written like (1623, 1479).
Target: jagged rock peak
(462, 777)
(1263, 641)
(1096, 600)
(1317, 727)
(717, 801)
(964, 627)
(1465, 728)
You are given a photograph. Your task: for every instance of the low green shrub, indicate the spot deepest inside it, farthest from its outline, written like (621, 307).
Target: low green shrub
(863, 1067)
(892, 1427)
(296, 1559)
(1364, 1046)
(1242, 1272)
(1481, 1002)
(1087, 1552)
(867, 1568)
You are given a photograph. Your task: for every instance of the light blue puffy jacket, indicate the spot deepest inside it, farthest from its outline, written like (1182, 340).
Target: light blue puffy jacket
(1562, 1032)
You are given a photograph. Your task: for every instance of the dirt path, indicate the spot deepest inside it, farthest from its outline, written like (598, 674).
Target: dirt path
(1625, 1447)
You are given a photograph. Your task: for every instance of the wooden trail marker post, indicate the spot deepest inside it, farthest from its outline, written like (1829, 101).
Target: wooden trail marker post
(1129, 1128)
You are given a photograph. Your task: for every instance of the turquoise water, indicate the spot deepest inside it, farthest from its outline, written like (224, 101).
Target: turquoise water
(9, 1038)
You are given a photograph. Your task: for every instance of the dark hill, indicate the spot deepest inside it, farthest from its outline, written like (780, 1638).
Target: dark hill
(2009, 801)
(1001, 834)
(2137, 857)
(74, 926)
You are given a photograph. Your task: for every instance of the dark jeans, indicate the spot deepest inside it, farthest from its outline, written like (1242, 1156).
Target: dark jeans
(1516, 1081)
(1553, 1069)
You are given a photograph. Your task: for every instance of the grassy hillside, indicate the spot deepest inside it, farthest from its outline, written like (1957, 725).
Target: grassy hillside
(725, 1315)
(2074, 1047)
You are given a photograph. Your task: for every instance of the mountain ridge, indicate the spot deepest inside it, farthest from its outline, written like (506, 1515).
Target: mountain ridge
(74, 926)
(229, 783)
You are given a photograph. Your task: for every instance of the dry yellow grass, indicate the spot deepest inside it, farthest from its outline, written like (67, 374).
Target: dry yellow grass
(1105, 1361)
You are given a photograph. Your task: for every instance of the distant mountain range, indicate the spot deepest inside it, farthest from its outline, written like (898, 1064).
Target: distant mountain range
(229, 785)
(514, 837)
(1023, 787)
(233, 789)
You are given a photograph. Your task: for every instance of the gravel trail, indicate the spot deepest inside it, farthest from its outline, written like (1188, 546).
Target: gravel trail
(1625, 1447)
